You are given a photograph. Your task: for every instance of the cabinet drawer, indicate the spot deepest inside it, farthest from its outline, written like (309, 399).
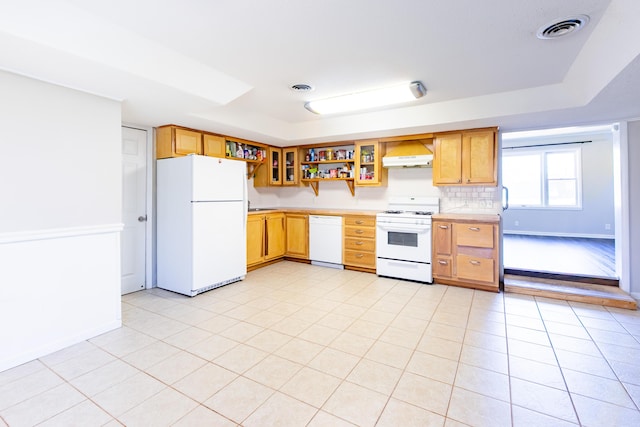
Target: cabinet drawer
(354, 231)
(476, 235)
(475, 268)
(364, 259)
(364, 245)
(365, 221)
(442, 267)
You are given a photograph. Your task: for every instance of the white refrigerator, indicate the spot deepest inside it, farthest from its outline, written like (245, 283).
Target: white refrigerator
(201, 223)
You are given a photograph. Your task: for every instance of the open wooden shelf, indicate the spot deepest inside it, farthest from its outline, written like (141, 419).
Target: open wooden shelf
(315, 183)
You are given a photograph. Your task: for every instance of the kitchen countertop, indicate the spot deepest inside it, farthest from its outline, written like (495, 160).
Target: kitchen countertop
(491, 218)
(315, 211)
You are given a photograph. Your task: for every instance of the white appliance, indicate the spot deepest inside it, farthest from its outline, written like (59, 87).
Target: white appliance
(202, 217)
(325, 240)
(403, 238)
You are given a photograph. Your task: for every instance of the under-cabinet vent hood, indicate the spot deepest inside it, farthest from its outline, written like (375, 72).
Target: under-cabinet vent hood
(408, 155)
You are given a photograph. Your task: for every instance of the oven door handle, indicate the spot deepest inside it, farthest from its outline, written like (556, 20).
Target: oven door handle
(406, 228)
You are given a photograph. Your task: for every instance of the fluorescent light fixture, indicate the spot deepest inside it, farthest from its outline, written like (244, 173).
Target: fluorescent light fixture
(368, 99)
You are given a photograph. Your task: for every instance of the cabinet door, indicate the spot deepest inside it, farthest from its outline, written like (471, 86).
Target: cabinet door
(442, 238)
(213, 145)
(255, 239)
(368, 163)
(275, 164)
(274, 237)
(291, 167)
(297, 235)
(447, 159)
(188, 141)
(479, 154)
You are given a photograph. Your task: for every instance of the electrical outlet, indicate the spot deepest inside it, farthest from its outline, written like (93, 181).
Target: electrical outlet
(607, 226)
(516, 223)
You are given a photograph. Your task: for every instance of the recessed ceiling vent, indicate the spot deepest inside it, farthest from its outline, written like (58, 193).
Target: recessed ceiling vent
(562, 28)
(301, 87)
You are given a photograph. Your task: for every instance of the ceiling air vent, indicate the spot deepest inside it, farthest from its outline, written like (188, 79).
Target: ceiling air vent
(562, 28)
(301, 87)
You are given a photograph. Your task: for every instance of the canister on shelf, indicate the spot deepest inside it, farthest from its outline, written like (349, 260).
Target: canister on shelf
(329, 154)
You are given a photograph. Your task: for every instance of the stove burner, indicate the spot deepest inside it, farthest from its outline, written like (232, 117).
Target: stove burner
(393, 212)
(424, 213)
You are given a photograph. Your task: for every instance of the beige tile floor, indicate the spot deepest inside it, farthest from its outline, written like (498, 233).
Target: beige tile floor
(300, 345)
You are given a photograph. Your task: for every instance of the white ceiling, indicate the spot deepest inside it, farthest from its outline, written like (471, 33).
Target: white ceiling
(226, 65)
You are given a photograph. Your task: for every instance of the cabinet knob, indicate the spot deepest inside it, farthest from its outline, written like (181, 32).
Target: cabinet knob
(444, 227)
(359, 243)
(359, 222)
(474, 262)
(359, 255)
(474, 228)
(442, 262)
(359, 231)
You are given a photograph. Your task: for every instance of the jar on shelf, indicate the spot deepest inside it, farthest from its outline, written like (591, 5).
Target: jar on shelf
(329, 154)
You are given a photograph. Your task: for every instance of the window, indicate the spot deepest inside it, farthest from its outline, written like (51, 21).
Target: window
(542, 177)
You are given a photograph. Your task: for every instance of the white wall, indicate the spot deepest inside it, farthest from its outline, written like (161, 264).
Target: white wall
(401, 182)
(60, 186)
(633, 130)
(597, 195)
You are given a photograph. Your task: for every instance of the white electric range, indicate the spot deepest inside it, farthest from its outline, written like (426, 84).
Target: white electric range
(403, 240)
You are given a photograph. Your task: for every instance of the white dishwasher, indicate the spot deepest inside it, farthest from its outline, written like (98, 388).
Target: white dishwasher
(325, 240)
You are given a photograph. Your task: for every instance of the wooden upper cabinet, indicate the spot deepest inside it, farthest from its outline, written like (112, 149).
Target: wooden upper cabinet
(466, 158)
(291, 167)
(368, 163)
(479, 158)
(275, 166)
(213, 145)
(173, 141)
(447, 159)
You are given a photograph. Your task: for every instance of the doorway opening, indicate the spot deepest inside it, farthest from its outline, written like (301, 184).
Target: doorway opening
(560, 221)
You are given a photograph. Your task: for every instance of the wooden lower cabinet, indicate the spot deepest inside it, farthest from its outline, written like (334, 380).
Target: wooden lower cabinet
(274, 236)
(297, 235)
(265, 238)
(466, 251)
(359, 242)
(255, 239)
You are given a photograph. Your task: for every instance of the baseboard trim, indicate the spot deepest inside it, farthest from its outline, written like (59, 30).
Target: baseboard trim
(550, 234)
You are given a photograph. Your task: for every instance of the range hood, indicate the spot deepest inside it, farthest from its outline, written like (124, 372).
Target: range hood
(412, 154)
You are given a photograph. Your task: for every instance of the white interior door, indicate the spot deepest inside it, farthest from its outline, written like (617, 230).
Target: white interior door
(134, 210)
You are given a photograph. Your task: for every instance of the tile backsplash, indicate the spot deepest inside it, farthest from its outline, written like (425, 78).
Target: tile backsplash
(470, 200)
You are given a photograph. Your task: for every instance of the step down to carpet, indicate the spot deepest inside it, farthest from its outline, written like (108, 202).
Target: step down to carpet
(609, 296)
